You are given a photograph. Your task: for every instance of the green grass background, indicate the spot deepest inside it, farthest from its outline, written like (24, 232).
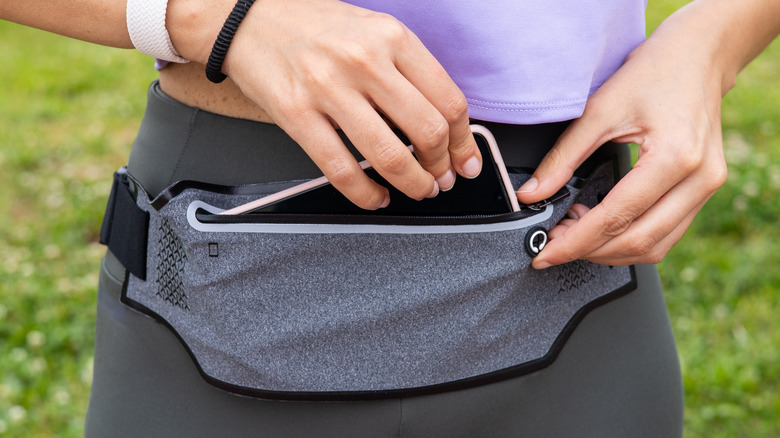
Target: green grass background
(69, 111)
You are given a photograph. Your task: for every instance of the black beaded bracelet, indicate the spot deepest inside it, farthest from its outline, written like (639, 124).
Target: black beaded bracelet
(225, 37)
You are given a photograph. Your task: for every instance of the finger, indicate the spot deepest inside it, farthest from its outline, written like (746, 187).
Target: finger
(560, 229)
(658, 252)
(383, 149)
(428, 130)
(573, 147)
(641, 240)
(640, 189)
(323, 145)
(575, 212)
(636, 247)
(428, 76)
(644, 237)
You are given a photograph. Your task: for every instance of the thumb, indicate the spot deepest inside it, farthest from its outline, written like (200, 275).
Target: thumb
(574, 146)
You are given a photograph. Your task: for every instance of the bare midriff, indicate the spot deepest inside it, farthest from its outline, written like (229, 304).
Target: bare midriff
(187, 83)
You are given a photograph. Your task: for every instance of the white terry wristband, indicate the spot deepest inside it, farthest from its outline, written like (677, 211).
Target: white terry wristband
(146, 26)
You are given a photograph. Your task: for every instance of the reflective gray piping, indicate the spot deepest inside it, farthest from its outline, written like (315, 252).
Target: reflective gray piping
(292, 228)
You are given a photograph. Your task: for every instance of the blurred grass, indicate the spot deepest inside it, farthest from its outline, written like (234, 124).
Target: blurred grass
(722, 280)
(69, 111)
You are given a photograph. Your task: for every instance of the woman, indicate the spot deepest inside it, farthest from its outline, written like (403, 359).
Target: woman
(310, 67)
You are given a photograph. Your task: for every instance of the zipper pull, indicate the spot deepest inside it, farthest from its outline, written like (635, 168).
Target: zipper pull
(537, 206)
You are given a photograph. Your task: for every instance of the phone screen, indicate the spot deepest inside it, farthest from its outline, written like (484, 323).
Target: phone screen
(485, 194)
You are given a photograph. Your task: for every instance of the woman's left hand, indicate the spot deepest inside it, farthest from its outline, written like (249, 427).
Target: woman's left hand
(666, 98)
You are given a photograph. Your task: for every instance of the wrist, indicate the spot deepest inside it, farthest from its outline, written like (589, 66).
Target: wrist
(224, 39)
(693, 41)
(725, 34)
(194, 25)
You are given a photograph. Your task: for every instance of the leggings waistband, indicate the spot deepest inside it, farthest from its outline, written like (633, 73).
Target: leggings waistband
(178, 142)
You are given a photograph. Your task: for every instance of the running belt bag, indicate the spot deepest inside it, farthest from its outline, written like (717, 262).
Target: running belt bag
(353, 307)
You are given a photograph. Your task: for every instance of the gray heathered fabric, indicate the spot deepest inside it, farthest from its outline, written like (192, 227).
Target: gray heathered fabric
(360, 312)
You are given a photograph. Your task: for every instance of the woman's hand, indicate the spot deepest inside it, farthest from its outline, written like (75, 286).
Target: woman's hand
(314, 65)
(666, 98)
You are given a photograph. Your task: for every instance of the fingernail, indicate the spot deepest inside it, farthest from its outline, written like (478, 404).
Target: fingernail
(386, 202)
(572, 215)
(435, 190)
(447, 181)
(472, 167)
(541, 265)
(529, 186)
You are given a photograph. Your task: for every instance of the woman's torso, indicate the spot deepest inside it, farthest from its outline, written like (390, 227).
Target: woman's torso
(187, 84)
(522, 62)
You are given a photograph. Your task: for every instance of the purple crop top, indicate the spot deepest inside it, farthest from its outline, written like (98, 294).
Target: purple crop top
(524, 61)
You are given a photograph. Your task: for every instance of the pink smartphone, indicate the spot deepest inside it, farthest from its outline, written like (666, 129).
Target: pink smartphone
(490, 193)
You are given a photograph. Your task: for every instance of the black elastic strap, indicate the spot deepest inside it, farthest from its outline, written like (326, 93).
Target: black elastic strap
(125, 228)
(225, 37)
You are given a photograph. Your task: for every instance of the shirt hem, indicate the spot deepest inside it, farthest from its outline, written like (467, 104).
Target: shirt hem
(526, 114)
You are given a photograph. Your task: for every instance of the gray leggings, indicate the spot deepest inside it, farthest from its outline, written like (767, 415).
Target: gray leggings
(617, 374)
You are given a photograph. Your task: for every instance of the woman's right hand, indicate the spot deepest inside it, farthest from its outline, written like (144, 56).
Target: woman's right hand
(318, 65)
